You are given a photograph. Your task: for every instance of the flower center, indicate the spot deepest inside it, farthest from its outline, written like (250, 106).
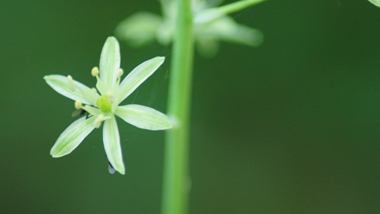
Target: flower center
(104, 104)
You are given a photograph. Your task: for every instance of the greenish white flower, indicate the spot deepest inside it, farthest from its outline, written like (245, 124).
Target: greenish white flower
(211, 24)
(103, 104)
(375, 2)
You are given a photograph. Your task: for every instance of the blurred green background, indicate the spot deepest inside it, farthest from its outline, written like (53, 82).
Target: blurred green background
(290, 127)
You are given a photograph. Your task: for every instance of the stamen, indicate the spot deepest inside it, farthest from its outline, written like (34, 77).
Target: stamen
(121, 72)
(99, 120)
(95, 71)
(111, 98)
(71, 83)
(78, 104)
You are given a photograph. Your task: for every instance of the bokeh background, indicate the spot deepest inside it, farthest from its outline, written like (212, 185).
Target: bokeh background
(292, 126)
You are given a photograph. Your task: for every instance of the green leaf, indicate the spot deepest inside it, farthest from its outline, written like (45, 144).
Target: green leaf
(72, 137)
(59, 84)
(143, 117)
(138, 75)
(110, 61)
(111, 140)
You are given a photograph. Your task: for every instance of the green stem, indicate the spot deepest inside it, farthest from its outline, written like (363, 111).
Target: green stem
(176, 182)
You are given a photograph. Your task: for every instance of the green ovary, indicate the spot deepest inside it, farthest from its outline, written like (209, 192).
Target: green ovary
(103, 104)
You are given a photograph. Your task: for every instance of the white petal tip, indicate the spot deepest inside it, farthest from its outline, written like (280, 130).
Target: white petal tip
(161, 58)
(121, 171)
(120, 168)
(112, 39)
(55, 155)
(47, 77)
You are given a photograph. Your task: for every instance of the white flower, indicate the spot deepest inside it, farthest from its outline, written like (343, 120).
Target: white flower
(375, 2)
(211, 24)
(103, 103)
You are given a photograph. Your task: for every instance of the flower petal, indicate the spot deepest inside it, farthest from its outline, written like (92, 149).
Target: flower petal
(375, 2)
(139, 29)
(90, 95)
(207, 47)
(72, 137)
(217, 12)
(138, 75)
(143, 117)
(112, 146)
(60, 85)
(102, 87)
(92, 110)
(110, 61)
(165, 32)
(228, 30)
(169, 8)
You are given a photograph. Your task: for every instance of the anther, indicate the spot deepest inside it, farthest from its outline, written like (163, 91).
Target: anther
(121, 72)
(99, 120)
(78, 104)
(71, 83)
(95, 71)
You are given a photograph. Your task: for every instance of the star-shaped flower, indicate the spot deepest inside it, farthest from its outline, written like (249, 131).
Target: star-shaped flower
(211, 24)
(375, 2)
(103, 103)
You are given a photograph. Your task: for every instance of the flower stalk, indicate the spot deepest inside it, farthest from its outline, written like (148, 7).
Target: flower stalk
(176, 181)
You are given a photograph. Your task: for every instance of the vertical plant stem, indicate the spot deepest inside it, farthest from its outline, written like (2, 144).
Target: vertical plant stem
(176, 182)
